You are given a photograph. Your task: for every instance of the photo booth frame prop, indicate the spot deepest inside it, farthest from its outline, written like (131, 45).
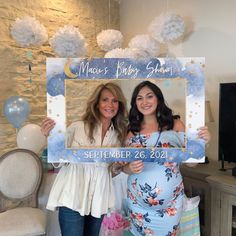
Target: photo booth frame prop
(58, 70)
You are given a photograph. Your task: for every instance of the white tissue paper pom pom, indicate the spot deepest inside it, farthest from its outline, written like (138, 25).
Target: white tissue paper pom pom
(121, 53)
(28, 31)
(109, 39)
(139, 54)
(145, 43)
(167, 27)
(133, 53)
(68, 42)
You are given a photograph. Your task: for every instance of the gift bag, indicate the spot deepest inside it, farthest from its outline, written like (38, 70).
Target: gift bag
(114, 224)
(189, 222)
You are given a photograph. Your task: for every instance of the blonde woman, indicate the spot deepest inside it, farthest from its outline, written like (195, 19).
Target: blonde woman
(83, 192)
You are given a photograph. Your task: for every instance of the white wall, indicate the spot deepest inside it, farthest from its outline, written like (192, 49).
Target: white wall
(211, 32)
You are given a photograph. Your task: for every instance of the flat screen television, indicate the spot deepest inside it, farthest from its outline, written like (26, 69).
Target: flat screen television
(227, 122)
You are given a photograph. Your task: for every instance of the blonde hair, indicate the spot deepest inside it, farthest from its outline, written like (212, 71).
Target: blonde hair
(92, 115)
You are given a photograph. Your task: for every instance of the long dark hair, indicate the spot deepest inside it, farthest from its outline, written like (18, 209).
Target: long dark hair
(164, 114)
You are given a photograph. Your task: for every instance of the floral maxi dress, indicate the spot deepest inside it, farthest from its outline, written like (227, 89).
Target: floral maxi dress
(155, 195)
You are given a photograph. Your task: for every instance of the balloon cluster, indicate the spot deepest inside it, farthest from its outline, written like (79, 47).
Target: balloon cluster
(16, 110)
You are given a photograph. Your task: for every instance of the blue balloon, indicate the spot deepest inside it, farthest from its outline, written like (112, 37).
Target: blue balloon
(16, 109)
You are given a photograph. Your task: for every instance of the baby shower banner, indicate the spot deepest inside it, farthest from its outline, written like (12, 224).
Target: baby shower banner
(72, 77)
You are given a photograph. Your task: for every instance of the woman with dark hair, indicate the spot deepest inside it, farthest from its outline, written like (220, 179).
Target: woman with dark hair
(155, 189)
(163, 113)
(83, 192)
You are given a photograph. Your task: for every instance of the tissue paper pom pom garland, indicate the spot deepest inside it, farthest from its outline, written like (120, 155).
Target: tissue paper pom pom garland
(29, 32)
(167, 27)
(163, 29)
(68, 42)
(109, 39)
(145, 43)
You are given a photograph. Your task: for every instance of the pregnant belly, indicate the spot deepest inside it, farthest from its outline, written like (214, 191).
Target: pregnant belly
(157, 186)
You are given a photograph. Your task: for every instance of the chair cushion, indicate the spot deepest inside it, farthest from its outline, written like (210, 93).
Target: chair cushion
(21, 221)
(19, 175)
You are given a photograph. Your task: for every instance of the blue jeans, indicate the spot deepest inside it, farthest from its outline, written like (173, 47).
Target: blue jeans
(73, 224)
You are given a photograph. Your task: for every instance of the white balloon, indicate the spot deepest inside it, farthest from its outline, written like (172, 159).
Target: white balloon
(30, 137)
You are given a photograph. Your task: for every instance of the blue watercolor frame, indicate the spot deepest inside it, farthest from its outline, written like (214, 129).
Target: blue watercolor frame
(190, 69)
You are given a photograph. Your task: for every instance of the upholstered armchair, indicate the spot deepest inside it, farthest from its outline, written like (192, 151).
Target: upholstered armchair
(20, 178)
